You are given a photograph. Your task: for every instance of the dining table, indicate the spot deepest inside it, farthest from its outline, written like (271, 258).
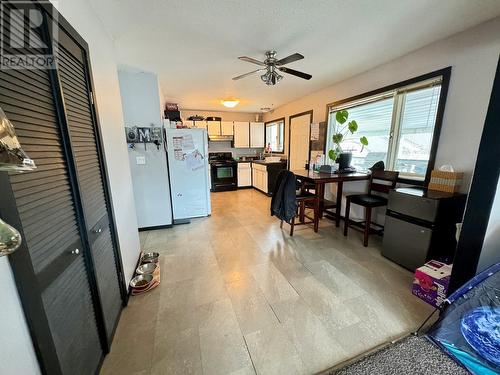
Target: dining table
(320, 179)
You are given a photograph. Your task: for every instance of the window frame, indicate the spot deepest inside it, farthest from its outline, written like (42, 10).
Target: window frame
(445, 74)
(281, 119)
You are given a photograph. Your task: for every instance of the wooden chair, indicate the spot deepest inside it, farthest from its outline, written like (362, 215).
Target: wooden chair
(305, 199)
(381, 182)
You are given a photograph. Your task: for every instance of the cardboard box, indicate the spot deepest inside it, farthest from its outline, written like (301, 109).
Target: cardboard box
(445, 181)
(431, 282)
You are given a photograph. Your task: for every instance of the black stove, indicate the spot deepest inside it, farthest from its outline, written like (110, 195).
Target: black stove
(223, 171)
(220, 158)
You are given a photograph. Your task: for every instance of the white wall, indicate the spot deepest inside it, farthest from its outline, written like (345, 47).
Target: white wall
(16, 352)
(490, 254)
(473, 56)
(141, 107)
(225, 115)
(81, 16)
(17, 355)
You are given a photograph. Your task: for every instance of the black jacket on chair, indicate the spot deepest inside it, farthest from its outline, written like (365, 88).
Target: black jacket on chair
(283, 202)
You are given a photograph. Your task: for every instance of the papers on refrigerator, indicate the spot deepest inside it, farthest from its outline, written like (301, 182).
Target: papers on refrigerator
(194, 160)
(182, 146)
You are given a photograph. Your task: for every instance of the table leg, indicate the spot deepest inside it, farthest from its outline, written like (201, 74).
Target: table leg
(338, 204)
(320, 191)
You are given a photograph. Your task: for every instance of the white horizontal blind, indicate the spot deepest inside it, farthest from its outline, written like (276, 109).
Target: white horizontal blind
(399, 125)
(416, 130)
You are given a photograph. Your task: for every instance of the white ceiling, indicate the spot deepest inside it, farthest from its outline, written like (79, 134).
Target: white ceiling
(193, 45)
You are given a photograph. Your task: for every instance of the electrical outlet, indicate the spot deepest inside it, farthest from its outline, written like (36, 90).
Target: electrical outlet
(140, 160)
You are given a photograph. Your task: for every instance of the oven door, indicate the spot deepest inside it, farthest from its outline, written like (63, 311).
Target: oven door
(224, 176)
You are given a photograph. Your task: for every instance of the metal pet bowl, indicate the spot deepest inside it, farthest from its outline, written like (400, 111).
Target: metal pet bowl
(150, 258)
(146, 269)
(141, 281)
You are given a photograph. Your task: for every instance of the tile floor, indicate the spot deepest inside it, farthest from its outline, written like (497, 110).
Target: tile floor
(239, 296)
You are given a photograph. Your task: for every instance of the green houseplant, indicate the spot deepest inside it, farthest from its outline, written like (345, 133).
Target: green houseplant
(343, 131)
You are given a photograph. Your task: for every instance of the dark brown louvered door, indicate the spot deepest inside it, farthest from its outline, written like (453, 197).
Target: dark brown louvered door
(45, 205)
(79, 116)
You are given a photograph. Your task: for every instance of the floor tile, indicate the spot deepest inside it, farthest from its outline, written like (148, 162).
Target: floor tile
(239, 296)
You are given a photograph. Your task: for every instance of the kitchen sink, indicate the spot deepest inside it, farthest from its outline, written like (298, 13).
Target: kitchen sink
(272, 159)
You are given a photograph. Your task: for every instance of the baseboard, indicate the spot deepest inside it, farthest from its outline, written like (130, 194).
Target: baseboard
(155, 227)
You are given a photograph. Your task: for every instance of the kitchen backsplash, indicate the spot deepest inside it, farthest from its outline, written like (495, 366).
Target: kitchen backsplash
(226, 147)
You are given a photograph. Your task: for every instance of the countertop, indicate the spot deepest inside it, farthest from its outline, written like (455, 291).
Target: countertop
(264, 163)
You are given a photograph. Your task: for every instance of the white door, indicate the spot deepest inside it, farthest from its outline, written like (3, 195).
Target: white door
(299, 142)
(241, 134)
(227, 127)
(257, 134)
(213, 127)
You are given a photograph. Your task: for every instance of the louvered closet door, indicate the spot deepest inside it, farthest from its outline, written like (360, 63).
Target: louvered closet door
(73, 76)
(46, 208)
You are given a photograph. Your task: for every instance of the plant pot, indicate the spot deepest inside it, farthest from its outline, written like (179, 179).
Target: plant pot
(344, 160)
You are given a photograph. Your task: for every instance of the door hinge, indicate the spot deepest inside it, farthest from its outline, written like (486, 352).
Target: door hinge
(91, 94)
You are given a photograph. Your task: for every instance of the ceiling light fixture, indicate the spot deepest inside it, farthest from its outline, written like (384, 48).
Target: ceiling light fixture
(230, 103)
(271, 77)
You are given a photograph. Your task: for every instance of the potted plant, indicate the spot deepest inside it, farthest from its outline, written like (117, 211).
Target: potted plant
(342, 132)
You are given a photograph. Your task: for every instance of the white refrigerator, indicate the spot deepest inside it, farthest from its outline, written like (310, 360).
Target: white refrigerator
(187, 151)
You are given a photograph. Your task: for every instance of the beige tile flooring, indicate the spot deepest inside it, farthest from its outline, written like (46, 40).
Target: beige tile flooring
(238, 295)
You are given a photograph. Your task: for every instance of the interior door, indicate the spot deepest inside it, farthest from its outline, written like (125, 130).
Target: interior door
(299, 141)
(74, 80)
(47, 215)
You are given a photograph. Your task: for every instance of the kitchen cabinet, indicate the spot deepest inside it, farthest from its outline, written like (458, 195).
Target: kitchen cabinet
(244, 174)
(188, 123)
(259, 177)
(257, 135)
(200, 124)
(264, 176)
(213, 127)
(241, 134)
(227, 128)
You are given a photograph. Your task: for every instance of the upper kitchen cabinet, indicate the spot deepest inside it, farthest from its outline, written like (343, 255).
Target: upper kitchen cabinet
(227, 128)
(200, 124)
(241, 134)
(257, 135)
(214, 128)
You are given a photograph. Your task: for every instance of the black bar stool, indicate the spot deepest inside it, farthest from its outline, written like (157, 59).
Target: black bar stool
(381, 182)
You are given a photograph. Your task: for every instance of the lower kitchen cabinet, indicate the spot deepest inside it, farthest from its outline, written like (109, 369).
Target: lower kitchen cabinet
(244, 175)
(264, 176)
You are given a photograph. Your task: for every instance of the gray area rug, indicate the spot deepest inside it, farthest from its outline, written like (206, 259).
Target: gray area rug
(412, 355)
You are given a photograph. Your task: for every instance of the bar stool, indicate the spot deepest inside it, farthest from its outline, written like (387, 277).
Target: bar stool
(381, 182)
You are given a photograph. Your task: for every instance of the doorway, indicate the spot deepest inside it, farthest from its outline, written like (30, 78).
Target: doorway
(299, 140)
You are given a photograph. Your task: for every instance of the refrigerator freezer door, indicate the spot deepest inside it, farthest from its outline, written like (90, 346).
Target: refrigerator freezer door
(406, 243)
(187, 151)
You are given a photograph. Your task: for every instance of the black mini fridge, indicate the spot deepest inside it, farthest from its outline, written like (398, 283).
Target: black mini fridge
(420, 225)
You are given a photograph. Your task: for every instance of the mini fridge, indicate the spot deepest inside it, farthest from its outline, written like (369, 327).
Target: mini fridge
(420, 225)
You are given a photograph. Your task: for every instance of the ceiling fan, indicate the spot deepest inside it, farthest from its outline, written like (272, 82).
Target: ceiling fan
(272, 65)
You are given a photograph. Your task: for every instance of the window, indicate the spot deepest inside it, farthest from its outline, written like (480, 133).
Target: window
(275, 135)
(399, 124)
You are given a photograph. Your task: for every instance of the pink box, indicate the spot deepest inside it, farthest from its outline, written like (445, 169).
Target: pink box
(431, 282)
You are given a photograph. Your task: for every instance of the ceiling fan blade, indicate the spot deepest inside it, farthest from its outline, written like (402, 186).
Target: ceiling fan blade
(295, 73)
(289, 59)
(246, 74)
(251, 60)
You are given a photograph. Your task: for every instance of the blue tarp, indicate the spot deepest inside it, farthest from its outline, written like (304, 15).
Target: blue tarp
(469, 326)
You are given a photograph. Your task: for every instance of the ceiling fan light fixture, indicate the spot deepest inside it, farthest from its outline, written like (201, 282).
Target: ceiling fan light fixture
(230, 103)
